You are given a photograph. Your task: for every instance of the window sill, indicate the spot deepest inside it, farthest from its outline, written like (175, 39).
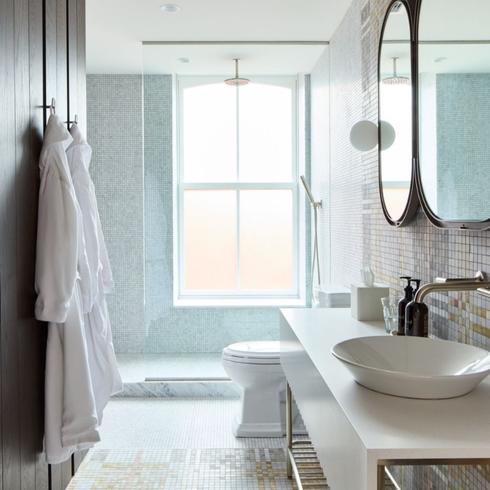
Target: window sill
(238, 302)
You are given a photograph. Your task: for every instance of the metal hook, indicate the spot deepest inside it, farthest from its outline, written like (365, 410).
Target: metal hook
(51, 107)
(75, 121)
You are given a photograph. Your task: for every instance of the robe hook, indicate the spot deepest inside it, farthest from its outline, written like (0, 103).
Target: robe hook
(51, 107)
(75, 121)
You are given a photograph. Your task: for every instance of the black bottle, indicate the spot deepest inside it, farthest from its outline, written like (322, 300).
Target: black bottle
(402, 304)
(417, 319)
(417, 285)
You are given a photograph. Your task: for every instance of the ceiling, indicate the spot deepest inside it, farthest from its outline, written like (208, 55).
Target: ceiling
(217, 60)
(115, 30)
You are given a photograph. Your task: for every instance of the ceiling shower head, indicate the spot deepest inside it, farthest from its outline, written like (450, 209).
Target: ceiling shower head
(237, 81)
(396, 79)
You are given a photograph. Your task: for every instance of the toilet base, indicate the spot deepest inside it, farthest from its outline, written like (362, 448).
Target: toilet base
(257, 429)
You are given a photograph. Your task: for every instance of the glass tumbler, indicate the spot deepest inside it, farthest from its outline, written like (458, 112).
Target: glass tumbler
(390, 314)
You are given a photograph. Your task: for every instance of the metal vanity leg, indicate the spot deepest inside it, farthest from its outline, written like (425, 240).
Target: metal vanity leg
(289, 430)
(381, 477)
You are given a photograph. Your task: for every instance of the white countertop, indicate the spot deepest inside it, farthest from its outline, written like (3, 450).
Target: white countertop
(388, 426)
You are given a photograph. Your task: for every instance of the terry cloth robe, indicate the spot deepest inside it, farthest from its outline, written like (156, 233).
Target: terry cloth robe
(70, 411)
(106, 379)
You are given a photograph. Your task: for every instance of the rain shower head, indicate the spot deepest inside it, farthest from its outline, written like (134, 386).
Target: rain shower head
(396, 79)
(237, 81)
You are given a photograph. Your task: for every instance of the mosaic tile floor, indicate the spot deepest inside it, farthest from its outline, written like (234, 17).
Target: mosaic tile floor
(183, 469)
(173, 423)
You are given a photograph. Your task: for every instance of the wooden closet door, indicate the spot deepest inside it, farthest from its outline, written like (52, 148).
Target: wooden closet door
(31, 31)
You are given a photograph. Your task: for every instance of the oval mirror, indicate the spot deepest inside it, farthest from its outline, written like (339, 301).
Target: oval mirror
(454, 112)
(397, 187)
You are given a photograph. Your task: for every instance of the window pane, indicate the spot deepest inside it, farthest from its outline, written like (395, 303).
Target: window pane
(265, 122)
(210, 242)
(209, 133)
(266, 239)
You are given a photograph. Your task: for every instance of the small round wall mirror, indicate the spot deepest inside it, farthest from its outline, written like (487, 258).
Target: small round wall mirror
(397, 185)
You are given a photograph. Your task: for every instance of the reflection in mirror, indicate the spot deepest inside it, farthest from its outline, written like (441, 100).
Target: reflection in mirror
(395, 113)
(454, 108)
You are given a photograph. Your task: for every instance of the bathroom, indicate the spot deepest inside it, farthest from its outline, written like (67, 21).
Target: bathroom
(229, 272)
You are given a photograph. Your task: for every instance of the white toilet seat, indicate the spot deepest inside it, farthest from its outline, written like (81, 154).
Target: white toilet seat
(256, 352)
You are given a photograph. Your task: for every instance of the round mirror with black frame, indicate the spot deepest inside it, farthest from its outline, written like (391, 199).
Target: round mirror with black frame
(453, 92)
(396, 116)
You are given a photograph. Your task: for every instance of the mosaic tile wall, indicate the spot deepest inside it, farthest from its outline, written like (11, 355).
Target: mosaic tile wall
(115, 131)
(359, 233)
(358, 230)
(171, 329)
(136, 208)
(463, 101)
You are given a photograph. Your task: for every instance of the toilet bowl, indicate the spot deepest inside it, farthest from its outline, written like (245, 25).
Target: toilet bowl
(256, 368)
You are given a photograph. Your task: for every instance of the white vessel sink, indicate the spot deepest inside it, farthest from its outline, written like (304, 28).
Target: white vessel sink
(414, 367)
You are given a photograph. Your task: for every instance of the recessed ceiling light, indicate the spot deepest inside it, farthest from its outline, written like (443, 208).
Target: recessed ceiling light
(169, 8)
(184, 60)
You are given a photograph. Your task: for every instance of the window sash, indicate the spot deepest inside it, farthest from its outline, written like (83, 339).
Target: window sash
(212, 297)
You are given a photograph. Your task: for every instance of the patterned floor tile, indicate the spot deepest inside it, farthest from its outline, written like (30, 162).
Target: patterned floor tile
(183, 469)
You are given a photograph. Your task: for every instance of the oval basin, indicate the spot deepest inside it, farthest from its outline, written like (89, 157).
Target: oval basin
(414, 367)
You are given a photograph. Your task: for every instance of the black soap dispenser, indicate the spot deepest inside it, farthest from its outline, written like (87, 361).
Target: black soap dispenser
(417, 285)
(402, 304)
(416, 317)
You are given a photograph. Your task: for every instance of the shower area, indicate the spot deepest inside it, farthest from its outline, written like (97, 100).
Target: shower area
(130, 126)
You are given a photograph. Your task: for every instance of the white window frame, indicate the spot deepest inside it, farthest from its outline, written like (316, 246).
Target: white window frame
(219, 298)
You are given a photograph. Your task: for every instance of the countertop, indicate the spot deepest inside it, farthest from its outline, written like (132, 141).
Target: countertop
(391, 427)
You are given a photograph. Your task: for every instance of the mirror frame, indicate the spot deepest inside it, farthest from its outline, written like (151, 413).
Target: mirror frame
(412, 204)
(432, 217)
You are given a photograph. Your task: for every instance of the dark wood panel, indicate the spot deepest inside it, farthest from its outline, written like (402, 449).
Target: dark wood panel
(26, 180)
(36, 331)
(72, 9)
(10, 360)
(81, 66)
(31, 31)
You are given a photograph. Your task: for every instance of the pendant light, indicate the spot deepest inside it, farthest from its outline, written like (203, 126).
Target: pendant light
(396, 79)
(236, 81)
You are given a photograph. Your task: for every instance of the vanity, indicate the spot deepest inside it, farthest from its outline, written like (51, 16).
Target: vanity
(357, 433)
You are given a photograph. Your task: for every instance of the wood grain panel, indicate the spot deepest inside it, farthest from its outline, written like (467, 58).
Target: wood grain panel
(10, 360)
(26, 191)
(31, 32)
(34, 391)
(81, 66)
(72, 11)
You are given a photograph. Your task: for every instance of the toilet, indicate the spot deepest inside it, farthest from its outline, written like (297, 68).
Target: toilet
(256, 368)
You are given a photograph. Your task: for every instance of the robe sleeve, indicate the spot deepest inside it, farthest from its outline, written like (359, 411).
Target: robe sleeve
(57, 253)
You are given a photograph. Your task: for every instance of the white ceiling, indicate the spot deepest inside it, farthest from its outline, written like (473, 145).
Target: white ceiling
(115, 29)
(217, 60)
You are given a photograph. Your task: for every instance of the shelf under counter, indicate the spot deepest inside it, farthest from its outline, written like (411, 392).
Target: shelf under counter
(356, 431)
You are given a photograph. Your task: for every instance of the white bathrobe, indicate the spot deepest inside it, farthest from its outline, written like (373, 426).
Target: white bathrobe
(106, 379)
(70, 410)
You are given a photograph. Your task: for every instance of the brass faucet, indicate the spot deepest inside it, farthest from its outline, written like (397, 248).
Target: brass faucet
(417, 313)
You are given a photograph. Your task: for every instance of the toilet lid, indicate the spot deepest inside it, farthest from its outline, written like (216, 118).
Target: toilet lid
(253, 351)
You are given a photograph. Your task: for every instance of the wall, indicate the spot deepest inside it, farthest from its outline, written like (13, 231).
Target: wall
(42, 55)
(136, 205)
(115, 131)
(463, 153)
(359, 232)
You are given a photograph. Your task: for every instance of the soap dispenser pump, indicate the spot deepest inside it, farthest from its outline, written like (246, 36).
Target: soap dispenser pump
(402, 304)
(416, 316)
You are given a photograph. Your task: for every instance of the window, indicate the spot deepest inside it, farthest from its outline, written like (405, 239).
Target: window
(237, 194)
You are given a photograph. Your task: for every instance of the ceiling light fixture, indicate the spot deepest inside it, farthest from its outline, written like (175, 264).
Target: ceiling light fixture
(184, 60)
(169, 8)
(236, 81)
(396, 79)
